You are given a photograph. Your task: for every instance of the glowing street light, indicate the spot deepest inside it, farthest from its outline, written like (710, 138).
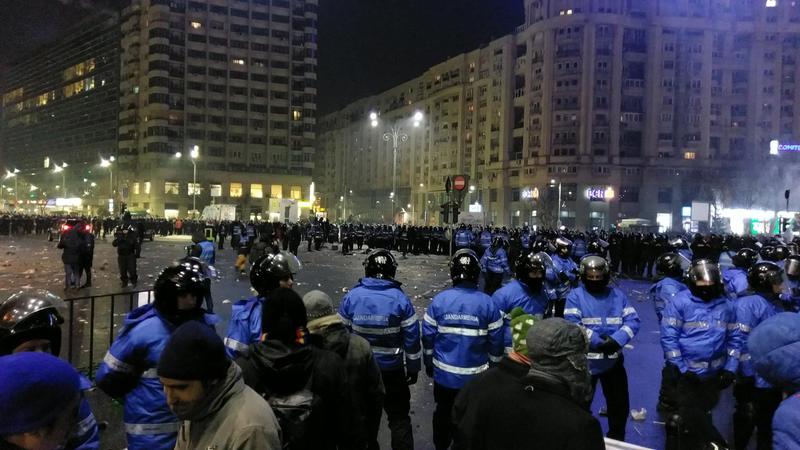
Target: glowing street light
(194, 153)
(106, 163)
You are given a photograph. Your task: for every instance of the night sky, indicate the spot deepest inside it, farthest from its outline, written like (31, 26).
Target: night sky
(365, 46)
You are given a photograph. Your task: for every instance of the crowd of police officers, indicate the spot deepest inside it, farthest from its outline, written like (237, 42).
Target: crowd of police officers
(706, 314)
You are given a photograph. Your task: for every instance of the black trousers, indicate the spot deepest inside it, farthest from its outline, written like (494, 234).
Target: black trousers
(615, 390)
(667, 395)
(691, 427)
(397, 405)
(127, 268)
(754, 410)
(444, 397)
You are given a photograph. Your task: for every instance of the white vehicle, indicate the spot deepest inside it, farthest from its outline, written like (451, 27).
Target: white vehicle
(219, 212)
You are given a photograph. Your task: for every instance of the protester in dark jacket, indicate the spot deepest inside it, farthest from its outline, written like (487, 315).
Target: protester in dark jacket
(548, 403)
(71, 242)
(283, 364)
(363, 374)
(86, 255)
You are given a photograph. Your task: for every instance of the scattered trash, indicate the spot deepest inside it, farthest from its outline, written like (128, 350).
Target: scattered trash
(639, 415)
(226, 301)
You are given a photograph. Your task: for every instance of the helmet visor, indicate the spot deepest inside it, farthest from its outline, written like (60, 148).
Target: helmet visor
(24, 304)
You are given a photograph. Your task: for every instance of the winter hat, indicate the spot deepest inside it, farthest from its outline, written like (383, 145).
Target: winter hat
(558, 348)
(774, 345)
(193, 352)
(35, 388)
(319, 310)
(283, 316)
(520, 324)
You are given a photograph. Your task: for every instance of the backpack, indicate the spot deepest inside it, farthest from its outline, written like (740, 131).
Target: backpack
(293, 412)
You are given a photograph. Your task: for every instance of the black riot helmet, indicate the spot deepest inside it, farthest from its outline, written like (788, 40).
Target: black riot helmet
(380, 264)
(497, 242)
(768, 253)
(780, 253)
(792, 266)
(745, 258)
(465, 266)
(563, 247)
(28, 315)
(176, 281)
(704, 280)
(595, 248)
(764, 276)
(678, 243)
(542, 245)
(532, 263)
(595, 273)
(268, 271)
(671, 265)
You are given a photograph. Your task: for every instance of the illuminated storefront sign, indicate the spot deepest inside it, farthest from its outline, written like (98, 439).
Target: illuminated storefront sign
(776, 147)
(600, 193)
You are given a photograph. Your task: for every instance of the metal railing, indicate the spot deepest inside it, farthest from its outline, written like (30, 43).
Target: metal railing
(92, 323)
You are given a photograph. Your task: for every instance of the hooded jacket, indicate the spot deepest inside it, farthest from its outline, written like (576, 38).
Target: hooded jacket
(662, 293)
(735, 281)
(751, 310)
(232, 417)
(273, 368)
(516, 294)
(363, 377)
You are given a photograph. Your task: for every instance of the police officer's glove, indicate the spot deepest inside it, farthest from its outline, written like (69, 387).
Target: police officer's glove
(411, 378)
(726, 378)
(562, 277)
(609, 346)
(429, 371)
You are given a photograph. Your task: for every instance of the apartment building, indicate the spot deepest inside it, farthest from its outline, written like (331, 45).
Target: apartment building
(620, 109)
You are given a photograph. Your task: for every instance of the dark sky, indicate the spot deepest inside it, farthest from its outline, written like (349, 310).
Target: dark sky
(365, 46)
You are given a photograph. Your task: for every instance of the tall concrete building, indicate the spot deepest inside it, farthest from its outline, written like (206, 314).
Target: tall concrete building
(631, 109)
(59, 104)
(234, 80)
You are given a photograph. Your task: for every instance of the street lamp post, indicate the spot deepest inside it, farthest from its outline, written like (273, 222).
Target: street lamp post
(107, 163)
(396, 135)
(13, 174)
(558, 219)
(193, 155)
(57, 169)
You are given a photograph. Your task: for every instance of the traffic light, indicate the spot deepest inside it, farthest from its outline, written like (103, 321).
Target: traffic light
(445, 212)
(456, 211)
(784, 223)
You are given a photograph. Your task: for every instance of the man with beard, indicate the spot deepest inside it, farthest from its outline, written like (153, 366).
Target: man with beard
(128, 371)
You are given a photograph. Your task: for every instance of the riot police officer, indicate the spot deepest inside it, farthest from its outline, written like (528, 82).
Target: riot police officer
(462, 333)
(525, 291)
(610, 323)
(561, 277)
(697, 337)
(268, 273)
(126, 242)
(735, 278)
(378, 310)
(128, 370)
(30, 321)
(494, 264)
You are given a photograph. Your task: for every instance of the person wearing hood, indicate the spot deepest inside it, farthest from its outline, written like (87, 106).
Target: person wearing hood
(774, 345)
(128, 370)
(363, 374)
(610, 323)
(494, 264)
(697, 336)
(305, 385)
(462, 333)
(378, 310)
(547, 400)
(206, 391)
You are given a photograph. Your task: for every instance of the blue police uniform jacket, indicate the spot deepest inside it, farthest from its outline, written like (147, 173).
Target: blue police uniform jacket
(208, 252)
(786, 422)
(662, 292)
(735, 281)
(461, 333)
(495, 261)
(244, 328)
(486, 239)
(380, 312)
(579, 248)
(561, 265)
(516, 294)
(697, 336)
(129, 369)
(751, 310)
(85, 434)
(463, 238)
(602, 314)
(792, 294)
(686, 253)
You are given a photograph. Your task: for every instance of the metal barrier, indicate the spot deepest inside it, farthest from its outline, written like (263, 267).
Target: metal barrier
(92, 324)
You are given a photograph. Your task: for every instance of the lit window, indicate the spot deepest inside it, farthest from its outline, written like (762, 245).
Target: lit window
(772, 3)
(296, 115)
(136, 188)
(256, 191)
(216, 190)
(276, 191)
(296, 193)
(238, 61)
(196, 24)
(172, 188)
(236, 189)
(146, 187)
(689, 155)
(194, 189)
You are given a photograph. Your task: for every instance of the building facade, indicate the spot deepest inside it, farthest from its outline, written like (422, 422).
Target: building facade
(59, 104)
(234, 78)
(592, 111)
